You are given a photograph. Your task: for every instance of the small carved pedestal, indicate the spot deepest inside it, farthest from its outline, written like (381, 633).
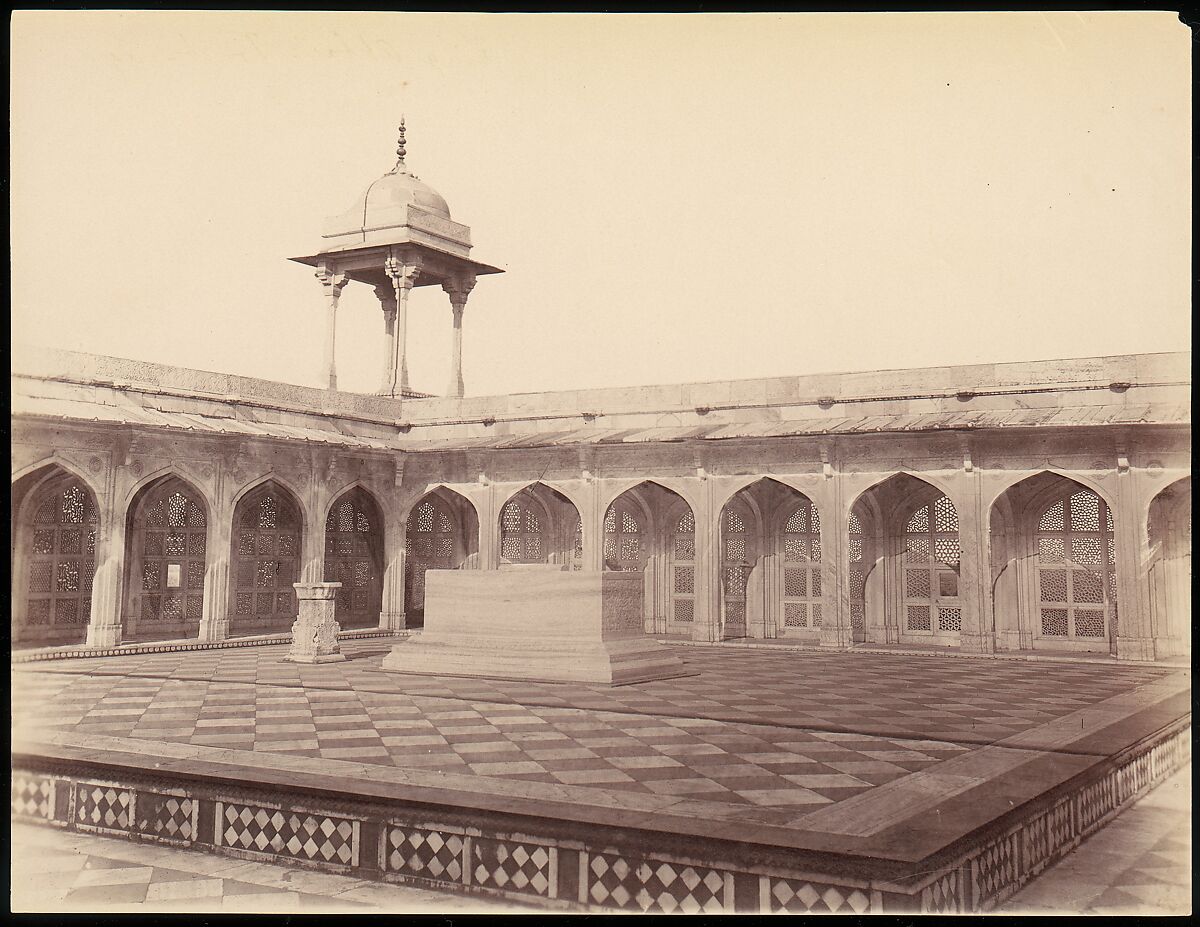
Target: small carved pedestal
(314, 632)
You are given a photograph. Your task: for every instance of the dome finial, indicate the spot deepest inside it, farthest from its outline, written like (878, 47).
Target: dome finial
(400, 150)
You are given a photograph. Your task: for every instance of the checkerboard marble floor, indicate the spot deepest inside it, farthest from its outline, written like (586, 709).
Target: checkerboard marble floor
(1139, 864)
(777, 733)
(62, 871)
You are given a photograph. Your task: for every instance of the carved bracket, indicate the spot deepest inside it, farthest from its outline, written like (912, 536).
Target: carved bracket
(403, 275)
(458, 288)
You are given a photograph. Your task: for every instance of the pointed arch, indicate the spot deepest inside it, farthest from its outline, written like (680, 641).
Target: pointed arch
(537, 524)
(678, 487)
(1053, 564)
(628, 532)
(770, 581)
(905, 587)
(449, 493)
(354, 538)
(1044, 473)
(55, 524)
(650, 528)
(336, 497)
(756, 483)
(166, 553)
(268, 528)
(283, 485)
(171, 470)
(441, 533)
(55, 460)
(900, 489)
(568, 493)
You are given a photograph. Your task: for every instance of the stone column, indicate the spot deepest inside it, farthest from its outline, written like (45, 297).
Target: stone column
(837, 631)
(214, 622)
(315, 630)
(404, 278)
(104, 627)
(333, 284)
(974, 577)
(312, 543)
(593, 530)
(707, 614)
(458, 289)
(489, 527)
(1135, 639)
(392, 617)
(387, 300)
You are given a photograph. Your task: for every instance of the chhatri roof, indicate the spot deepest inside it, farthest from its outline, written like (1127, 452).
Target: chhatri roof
(397, 213)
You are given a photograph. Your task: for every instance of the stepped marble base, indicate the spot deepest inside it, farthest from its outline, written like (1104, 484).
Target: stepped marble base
(540, 625)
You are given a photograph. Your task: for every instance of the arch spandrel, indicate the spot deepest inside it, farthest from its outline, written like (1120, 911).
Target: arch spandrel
(76, 469)
(685, 487)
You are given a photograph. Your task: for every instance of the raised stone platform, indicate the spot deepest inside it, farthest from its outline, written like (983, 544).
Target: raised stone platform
(767, 782)
(542, 624)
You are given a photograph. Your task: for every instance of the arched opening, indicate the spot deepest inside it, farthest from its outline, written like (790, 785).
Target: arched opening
(165, 557)
(267, 526)
(1169, 531)
(904, 564)
(1053, 566)
(354, 558)
(651, 530)
(55, 522)
(770, 580)
(803, 594)
(442, 534)
(538, 525)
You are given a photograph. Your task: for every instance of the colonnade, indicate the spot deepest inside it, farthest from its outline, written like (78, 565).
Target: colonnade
(1044, 560)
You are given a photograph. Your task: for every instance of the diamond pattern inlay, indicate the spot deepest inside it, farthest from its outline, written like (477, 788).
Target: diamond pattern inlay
(431, 854)
(654, 885)
(32, 795)
(103, 806)
(511, 865)
(295, 834)
(166, 816)
(795, 896)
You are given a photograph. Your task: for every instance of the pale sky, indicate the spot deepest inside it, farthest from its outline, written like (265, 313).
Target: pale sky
(674, 198)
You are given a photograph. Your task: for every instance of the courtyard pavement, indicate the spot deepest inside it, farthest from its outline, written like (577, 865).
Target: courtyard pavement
(762, 730)
(891, 756)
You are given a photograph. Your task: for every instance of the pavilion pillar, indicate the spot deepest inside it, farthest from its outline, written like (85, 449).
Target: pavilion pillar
(458, 288)
(333, 284)
(403, 277)
(387, 300)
